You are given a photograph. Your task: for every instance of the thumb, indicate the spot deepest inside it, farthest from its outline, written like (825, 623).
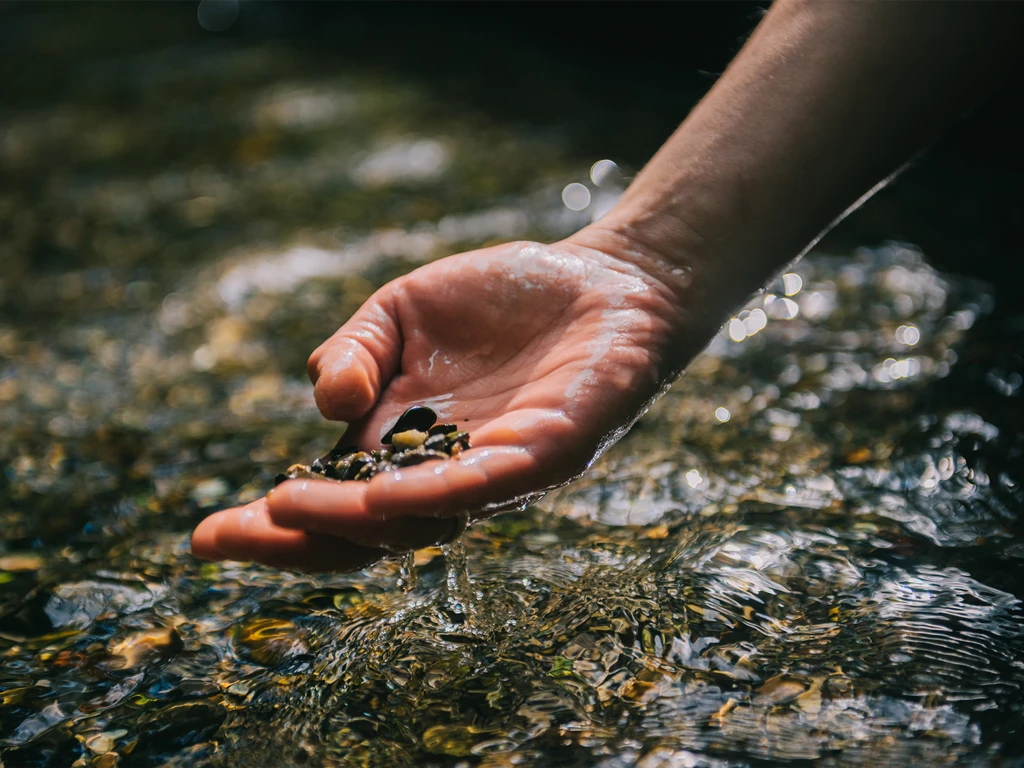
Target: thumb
(350, 369)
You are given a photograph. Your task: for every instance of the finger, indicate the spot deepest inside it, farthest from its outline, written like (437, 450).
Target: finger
(522, 453)
(477, 479)
(338, 509)
(317, 505)
(440, 489)
(350, 369)
(247, 533)
(499, 472)
(204, 545)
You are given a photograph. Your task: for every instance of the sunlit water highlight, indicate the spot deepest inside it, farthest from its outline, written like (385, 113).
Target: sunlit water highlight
(810, 549)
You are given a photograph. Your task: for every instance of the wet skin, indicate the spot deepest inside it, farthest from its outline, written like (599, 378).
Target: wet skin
(545, 354)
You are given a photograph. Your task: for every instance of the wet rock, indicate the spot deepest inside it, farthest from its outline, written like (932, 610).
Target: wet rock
(270, 642)
(37, 723)
(211, 492)
(779, 690)
(101, 743)
(419, 417)
(412, 438)
(415, 439)
(106, 760)
(21, 561)
(454, 740)
(78, 604)
(144, 648)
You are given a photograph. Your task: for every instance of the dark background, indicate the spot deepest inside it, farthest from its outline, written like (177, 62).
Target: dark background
(619, 77)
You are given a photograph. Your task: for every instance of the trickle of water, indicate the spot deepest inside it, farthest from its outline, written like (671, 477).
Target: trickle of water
(407, 572)
(460, 589)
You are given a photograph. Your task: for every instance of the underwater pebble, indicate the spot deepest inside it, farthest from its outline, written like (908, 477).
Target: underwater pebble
(209, 492)
(145, 647)
(102, 743)
(21, 561)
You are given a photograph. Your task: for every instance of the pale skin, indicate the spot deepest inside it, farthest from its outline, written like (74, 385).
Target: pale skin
(547, 353)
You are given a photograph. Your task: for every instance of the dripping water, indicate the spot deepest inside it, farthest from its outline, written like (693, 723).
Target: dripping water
(407, 572)
(460, 594)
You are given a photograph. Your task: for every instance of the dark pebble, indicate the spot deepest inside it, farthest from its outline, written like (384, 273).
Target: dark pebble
(418, 417)
(434, 443)
(332, 473)
(340, 451)
(412, 458)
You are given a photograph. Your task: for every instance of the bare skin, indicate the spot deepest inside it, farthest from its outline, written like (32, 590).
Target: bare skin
(547, 354)
(560, 348)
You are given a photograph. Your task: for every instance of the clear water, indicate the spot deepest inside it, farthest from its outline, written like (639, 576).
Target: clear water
(810, 549)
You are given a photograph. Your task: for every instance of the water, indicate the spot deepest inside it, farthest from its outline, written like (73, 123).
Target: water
(407, 572)
(810, 549)
(460, 588)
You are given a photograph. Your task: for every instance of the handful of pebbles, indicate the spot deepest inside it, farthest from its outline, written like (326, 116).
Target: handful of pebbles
(416, 438)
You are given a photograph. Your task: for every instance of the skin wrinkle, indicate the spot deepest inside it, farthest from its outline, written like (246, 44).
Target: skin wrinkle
(322, 358)
(601, 329)
(493, 366)
(733, 196)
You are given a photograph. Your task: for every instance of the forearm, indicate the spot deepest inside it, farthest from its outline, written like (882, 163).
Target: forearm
(827, 99)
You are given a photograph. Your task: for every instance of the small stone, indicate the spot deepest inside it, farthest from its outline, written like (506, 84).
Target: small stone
(778, 690)
(412, 458)
(419, 417)
(657, 532)
(210, 492)
(270, 642)
(102, 743)
(21, 561)
(810, 702)
(412, 438)
(145, 647)
(434, 443)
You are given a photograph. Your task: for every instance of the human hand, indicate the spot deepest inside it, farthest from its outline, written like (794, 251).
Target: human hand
(545, 354)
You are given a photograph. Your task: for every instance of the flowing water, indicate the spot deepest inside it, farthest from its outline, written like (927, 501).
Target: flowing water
(810, 549)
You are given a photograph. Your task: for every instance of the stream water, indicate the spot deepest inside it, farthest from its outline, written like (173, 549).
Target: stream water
(810, 549)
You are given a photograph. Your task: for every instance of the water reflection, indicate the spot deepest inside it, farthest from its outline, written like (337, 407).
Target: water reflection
(809, 549)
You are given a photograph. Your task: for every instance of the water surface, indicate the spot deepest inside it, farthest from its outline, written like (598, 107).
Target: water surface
(810, 549)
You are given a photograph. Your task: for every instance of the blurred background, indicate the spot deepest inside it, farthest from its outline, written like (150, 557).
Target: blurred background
(194, 195)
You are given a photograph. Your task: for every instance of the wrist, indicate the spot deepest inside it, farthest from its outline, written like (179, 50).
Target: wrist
(675, 258)
(705, 275)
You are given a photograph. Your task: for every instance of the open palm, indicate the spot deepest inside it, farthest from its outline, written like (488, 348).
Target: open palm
(544, 354)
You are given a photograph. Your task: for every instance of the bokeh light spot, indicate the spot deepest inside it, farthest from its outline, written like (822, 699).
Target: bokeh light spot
(217, 15)
(576, 196)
